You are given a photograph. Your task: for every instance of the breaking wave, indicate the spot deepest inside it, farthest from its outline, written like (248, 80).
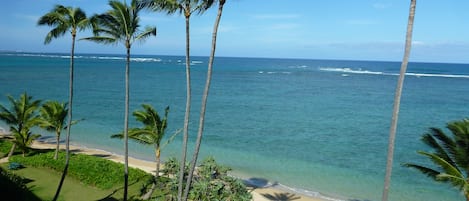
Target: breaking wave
(136, 59)
(367, 72)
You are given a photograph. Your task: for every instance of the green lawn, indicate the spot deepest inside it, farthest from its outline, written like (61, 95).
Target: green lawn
(43, 183)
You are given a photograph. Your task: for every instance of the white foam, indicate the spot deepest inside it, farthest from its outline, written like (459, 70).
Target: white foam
(136, 59)
(345, 71)
(197, 62)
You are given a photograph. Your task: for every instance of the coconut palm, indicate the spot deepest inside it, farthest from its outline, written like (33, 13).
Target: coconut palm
(21, 117)
(450, 155)
(53, 116)
(187, 8)
(221, 3)
(151, 133)
(65, 19)
(397, 100)
(121, 25)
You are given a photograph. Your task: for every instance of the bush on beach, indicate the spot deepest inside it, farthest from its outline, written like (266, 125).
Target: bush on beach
(90, 170)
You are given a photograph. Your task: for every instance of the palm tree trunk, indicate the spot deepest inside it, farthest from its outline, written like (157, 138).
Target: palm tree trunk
(70, 103)
(12, 150)
(186, 117)
(57, 143)
(126, 122)
(205, 97)
(157, 174)
(397, 101)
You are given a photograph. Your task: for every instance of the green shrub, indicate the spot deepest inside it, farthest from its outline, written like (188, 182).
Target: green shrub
(5, 147)
(90, 170)
(211, 182)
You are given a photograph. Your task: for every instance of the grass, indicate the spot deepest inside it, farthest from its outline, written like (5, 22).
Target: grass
(88, 178)
(43, 183)
(90, 170)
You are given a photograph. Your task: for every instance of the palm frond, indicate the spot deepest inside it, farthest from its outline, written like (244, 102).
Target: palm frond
(444, 151)
(167, 6)
(446, 167)
(460, 130)
(119, 136)
(203, 6)
(101, 39)
(149, 31)
(425, 170)
(459, 182)
(171, 138)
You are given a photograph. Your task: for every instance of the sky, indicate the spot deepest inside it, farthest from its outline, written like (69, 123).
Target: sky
(308, 29)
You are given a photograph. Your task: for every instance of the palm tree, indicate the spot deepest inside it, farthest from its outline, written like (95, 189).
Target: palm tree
(151, 133)
(221, 3)
(64, 19)
(121, 25)
(53, 116)
(397, 100)
(450, 155)
(187, 8)
(21, 117)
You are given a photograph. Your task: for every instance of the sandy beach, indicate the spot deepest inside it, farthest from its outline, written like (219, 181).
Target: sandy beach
(259, 193)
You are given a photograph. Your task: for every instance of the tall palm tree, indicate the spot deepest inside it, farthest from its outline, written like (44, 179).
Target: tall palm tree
(397, 101)
(450, 155)
(221, 3)
(151, 133)
(21, 117)
(187, 8)
(65, 19)
(121, 25)
(53, 117)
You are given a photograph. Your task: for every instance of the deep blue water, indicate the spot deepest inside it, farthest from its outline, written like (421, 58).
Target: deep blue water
(318, 125)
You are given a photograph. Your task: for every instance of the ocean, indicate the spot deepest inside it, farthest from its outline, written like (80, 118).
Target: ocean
(314, 126)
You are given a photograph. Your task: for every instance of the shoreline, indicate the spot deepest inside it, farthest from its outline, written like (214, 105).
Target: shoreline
(265, 192)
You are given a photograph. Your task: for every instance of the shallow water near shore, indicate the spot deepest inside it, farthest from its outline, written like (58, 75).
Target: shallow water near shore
(316, 125)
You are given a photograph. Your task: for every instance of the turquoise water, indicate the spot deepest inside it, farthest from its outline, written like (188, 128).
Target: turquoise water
(317, 125)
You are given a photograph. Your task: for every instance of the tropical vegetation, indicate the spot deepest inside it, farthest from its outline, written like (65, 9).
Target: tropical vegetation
(450, 155)
(90, 170)
(21, 117)
(211, 182)
(152, 133)
(121, 25)
(65, 19)
(186, 8)
(221, 3)
(53, 117)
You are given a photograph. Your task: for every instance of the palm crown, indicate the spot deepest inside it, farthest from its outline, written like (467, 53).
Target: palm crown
(153, 129)
(53, 119)
(450, 155)
(21, 117)
(64, 19)
(186, 7)
(120, 24)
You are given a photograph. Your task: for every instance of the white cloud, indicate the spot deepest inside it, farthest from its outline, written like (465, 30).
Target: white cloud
(276, 16)
(33, 18)
(418, 43)
(361, 22)
(381, 5)
(284, 26)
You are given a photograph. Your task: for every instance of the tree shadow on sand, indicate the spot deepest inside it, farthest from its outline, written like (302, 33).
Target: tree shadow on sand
(281, 196)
